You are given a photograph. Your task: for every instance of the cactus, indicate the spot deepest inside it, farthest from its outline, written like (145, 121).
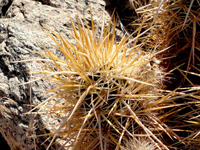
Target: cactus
(107, 92)
(114, 94)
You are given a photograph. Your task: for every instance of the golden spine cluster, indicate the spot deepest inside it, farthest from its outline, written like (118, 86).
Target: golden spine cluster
(138, 93)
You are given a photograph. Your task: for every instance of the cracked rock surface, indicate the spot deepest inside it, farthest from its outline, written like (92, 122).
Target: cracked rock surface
(20, 31)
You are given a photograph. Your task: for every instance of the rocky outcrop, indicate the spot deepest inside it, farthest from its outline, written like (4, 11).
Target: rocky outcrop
(20, 34)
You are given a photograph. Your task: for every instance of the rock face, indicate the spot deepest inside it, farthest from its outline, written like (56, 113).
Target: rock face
(20, 33)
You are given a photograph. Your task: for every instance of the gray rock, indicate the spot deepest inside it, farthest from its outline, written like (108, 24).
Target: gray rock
(20, 31)
(4, 5)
